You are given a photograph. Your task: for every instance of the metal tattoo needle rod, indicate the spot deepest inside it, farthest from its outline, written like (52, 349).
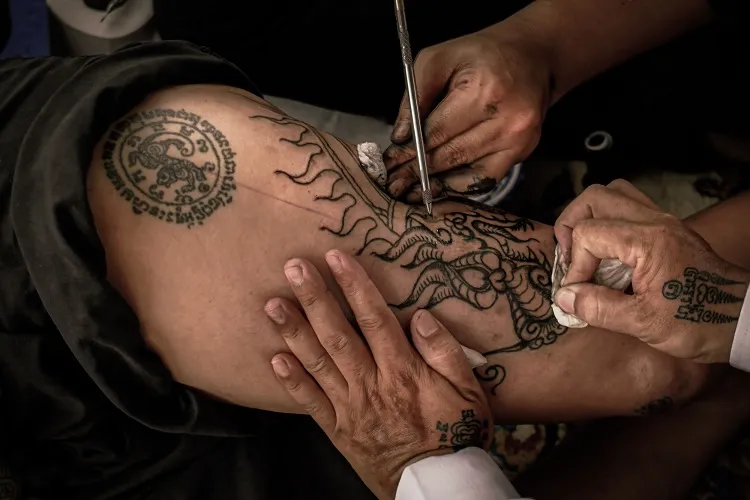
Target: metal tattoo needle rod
(411, 91)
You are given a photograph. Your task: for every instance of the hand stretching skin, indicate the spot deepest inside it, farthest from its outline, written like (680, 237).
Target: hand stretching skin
(686, 299)
(382, 404)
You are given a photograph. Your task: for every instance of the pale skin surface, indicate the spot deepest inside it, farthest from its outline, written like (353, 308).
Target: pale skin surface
(200, 292)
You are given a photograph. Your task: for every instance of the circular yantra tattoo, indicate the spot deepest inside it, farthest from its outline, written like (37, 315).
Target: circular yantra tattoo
(172, 165)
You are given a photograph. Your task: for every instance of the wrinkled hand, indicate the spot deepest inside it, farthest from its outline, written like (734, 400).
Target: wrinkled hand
(382, 404)
(685, 300)
(484, 101)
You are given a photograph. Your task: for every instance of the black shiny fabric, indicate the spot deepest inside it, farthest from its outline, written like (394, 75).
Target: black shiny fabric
(86, 410)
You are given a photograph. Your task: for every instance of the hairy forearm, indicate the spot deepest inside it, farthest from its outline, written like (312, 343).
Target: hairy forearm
(578, 39)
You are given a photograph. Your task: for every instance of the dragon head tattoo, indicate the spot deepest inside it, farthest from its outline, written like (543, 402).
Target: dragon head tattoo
(498, 263)
(477, 256)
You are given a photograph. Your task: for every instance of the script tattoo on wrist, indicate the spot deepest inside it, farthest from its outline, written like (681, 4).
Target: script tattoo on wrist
(465, 432)
(479, 256)
(697, 291)
(170, 164)
(656, 407)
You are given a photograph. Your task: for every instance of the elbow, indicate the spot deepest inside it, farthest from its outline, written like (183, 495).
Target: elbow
(666, 383)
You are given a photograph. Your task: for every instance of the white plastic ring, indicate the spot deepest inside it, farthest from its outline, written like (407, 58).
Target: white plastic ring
(598, 141)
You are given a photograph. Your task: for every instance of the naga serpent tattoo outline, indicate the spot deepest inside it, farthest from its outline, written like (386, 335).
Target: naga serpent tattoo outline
(500, 263)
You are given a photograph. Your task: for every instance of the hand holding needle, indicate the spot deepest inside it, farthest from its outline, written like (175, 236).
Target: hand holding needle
(411, 90)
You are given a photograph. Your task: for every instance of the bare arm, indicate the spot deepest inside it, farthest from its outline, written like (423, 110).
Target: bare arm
(581, 38)
(199, 207)
(648, 459)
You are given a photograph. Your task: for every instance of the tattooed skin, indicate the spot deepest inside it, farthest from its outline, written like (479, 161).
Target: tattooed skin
(495, 260)
(170, 164)
(465, 432)
(656, 407)
(697, 292)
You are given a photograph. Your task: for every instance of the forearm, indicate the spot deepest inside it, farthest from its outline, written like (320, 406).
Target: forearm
(723, 228)
(643, 458)
(578, 39)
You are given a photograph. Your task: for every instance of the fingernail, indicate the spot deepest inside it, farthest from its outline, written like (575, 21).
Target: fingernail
(334, 262)
(565, 300)
(399, 132)
(426, 324)
(396, 187)
(276, 314)
(294, 274)
(280, 366)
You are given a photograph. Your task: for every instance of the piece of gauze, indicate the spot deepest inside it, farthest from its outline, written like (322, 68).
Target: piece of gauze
(371, 159)
(611, 273)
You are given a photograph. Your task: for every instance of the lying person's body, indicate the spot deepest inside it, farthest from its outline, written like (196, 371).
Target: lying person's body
(199, 194)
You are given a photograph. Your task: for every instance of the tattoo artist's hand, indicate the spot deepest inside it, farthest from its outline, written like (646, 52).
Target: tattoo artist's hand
(484, 100)
(382, 403)
(685, 300)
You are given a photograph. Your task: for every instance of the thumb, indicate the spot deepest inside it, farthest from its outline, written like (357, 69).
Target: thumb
(431, 77)
(440, 350)
(601, 306)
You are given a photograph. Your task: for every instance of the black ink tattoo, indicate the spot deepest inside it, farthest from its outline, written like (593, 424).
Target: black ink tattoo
(467, 431)
(494, 374)
(172, 165)
(698, 290)
(656, 407)
(479, 256)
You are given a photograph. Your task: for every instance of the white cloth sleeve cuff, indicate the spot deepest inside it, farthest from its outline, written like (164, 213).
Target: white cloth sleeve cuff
(469, 474)
(739, 357)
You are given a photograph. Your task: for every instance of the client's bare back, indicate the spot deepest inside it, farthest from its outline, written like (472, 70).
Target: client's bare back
(202, 193)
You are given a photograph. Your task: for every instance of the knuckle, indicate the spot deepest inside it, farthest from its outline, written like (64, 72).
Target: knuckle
(620, 183)
(528, 119)
(424, 55)
(294, 333)
(311, 408)
(349, 284)
(338, 344)
(669, 219)
(411, 172)
(587, 306)
(371, 323)
(414, 370)
(437, 132)
(309, 298)
(455, 155)
(465, 78)
(317, 365)
(595, 190)
(293, 386)
(580, 230)
(655, 236)
(399, 155)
